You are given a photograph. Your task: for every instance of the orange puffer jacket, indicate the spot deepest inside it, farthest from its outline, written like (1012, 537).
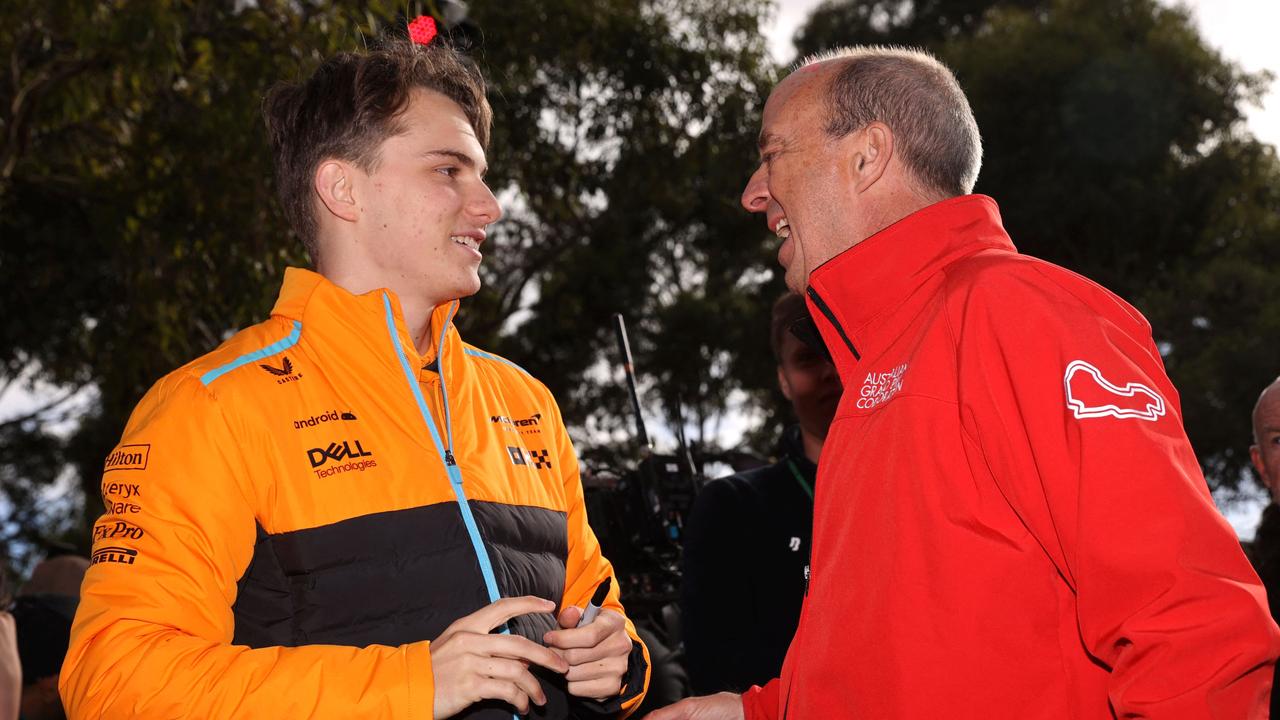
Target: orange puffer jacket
(294, 516)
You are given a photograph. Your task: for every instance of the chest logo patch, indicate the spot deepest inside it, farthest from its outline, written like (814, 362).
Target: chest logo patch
(1090, 395)
(541, 458)
(284, 373)
(879, 388)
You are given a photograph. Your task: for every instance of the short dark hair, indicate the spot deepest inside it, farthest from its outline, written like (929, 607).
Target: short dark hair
(350, 105)
(787, 311)
(919, 99)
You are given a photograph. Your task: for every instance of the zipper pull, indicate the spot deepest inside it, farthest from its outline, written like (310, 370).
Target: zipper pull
(448, 458)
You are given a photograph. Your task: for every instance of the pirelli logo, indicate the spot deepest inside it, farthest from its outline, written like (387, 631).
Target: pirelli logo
(128, 457)
(124, 556)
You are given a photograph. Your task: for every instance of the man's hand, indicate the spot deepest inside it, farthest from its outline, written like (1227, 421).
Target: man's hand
(721, 706)
(597, 654)
(471, 665)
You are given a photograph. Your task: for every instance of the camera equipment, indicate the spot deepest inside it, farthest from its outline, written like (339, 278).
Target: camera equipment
(638, 513)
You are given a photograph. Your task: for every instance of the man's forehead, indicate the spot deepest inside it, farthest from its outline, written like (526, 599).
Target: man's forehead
(794, 96)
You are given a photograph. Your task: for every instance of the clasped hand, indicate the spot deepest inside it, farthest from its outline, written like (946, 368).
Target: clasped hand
(470, 665)
(597, 653)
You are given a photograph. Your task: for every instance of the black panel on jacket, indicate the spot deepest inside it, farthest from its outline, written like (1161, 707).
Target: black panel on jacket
(383, 579)
(404, 576)
(528, 547)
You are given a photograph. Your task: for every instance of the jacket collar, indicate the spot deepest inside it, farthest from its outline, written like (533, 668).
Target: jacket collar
(337, 318)
(853, 288)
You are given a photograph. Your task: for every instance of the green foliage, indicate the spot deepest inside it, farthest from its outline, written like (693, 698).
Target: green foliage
(624, 131)
(141, 225)
(136, 204)
(1112, 141)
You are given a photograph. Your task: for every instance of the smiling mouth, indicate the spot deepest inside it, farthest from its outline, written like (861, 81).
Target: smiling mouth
(783, 230)
(470, 242)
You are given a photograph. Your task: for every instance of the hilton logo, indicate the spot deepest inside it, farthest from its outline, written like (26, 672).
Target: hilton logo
(128, 457)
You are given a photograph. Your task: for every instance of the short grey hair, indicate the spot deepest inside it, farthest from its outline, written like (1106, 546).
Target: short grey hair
(919, 99)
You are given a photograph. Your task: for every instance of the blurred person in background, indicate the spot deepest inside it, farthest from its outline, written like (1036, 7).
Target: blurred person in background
(1264, 551)
(746, 543)
(43, 611)
(58, 575)
(10, 661)
(44, 631)
(1011, 522)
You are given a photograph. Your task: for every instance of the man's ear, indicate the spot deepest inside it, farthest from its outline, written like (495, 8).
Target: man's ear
(1255, 454)
(870, 150)
(783, 384)
(335, 184)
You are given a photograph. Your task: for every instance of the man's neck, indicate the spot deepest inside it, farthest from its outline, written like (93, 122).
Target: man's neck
(417, 319)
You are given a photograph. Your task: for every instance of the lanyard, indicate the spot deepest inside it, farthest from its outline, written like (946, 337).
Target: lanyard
(795, 471)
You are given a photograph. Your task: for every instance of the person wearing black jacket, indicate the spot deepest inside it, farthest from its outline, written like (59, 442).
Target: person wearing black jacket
(746, 542)
(1264, 552)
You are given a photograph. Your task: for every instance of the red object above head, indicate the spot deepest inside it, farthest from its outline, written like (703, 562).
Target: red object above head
(422, 30)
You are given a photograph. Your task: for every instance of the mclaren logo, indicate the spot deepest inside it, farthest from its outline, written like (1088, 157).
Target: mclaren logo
(531, 421)
(284, 373)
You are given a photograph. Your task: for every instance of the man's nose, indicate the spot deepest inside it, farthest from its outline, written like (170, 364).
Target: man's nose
(755, 198)
(485, 205)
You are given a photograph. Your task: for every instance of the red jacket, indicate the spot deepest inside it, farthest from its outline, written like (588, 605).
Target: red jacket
(1010, 521)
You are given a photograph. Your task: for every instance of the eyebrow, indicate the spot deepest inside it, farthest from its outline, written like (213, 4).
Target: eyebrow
(765, 139)
(463, 159)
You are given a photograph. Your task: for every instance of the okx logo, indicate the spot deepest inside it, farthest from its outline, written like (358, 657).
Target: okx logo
(350, 451)
(284, 373)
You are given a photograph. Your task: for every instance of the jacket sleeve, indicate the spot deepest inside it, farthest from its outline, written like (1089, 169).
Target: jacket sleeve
(1063, 395)
(761, 702)
(152, 637)
(585, 569)
(719, 643)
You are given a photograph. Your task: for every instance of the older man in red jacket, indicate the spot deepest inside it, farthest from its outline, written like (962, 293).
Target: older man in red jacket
(1010, 521)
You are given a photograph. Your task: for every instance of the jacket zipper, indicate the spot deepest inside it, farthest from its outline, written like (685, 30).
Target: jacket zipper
(445, 449)
(831, 318)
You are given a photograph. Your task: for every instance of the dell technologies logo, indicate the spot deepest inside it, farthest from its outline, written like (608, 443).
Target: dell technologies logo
(346, 458)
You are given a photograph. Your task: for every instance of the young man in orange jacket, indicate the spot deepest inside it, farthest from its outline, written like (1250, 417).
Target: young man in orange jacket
(328, 515)
(1009, 520)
